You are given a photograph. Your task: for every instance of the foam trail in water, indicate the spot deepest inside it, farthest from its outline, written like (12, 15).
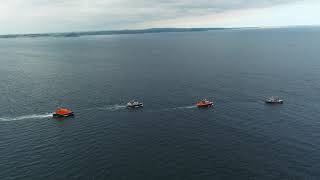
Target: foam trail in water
(32, 116)
(113, 107)
(182, 107)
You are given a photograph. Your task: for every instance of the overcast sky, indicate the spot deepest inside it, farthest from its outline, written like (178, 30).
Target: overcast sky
(36, 16)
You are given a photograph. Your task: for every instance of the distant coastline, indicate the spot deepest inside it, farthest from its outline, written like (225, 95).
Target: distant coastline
(112, 32)
(139, 31)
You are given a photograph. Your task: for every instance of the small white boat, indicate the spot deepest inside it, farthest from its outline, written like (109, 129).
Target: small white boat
(274, 100)
(134, 104)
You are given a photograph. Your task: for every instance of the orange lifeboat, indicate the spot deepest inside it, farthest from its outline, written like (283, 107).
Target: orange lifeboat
(63, 112)
(204, 103)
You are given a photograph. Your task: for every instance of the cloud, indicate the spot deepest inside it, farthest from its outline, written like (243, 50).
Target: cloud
(78, 15)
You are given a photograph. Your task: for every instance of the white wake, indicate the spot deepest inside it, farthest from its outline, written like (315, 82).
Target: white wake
(112, 107)
(26, 117)
(182, 107)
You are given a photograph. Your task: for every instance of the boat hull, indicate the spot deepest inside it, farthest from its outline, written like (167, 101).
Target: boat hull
(135, 106)
(204, 105)
(62, 115)
(271, 102)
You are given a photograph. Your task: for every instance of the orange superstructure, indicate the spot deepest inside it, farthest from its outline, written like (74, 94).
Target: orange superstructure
(62, 112)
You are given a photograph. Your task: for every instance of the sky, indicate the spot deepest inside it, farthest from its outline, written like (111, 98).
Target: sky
(41, 16)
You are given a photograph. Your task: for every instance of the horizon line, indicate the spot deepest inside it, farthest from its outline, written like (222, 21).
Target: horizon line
(144, 30)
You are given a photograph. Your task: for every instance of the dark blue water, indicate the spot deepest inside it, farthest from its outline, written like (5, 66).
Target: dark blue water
(240, 138)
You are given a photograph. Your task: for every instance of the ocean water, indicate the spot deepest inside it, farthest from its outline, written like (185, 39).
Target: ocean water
(240, 138)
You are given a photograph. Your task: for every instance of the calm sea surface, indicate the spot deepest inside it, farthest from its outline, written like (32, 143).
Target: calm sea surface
(95, 76)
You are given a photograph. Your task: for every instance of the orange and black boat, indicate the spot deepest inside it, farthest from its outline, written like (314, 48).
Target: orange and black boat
(62, 112)
(204, 103)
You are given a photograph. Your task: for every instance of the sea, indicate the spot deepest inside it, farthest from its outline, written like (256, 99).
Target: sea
(240, 137)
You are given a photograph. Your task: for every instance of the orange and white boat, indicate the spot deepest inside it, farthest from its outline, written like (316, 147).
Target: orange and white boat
(204, 103)
(63, 112)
